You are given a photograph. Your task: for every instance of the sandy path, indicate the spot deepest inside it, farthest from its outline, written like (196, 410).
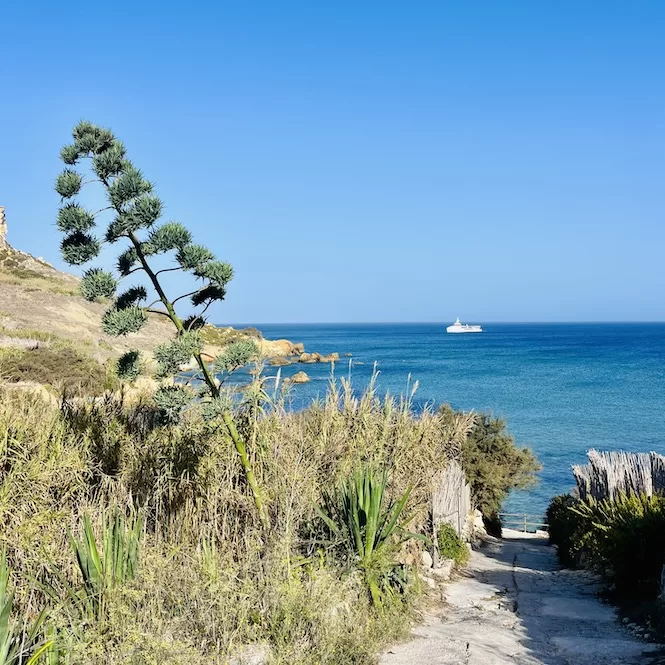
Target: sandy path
(515, 606)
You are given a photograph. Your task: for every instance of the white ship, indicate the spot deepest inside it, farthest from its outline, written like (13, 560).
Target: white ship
(458, 327)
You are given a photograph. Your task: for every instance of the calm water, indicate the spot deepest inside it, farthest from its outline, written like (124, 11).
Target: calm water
(562, 388)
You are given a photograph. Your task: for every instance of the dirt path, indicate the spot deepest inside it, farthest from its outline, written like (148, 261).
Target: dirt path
(515, 606)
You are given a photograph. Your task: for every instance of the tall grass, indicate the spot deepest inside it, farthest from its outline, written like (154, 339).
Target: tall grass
(209, 578)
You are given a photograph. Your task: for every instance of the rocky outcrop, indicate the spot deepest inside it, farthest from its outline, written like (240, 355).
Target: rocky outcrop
(299, 377)
(309, 358)
(280, 348)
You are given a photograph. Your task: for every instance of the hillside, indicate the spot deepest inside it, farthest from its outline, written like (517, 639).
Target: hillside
(41, 308)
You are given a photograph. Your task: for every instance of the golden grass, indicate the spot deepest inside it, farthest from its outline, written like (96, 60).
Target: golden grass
(210, 580)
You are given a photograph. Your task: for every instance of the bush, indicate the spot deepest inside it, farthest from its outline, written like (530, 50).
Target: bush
(564, 529)
(451, 546)
(61, 368)
(623, 539)
(494, 465)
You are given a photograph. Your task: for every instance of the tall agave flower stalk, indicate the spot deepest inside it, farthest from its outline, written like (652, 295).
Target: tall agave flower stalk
(132, 213)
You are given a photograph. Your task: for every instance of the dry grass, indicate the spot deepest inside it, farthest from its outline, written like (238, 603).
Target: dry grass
(210, 579)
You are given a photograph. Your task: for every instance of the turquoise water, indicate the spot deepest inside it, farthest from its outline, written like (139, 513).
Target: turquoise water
(562, 388)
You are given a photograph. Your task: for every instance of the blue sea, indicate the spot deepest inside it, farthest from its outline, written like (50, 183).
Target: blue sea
(562, 388)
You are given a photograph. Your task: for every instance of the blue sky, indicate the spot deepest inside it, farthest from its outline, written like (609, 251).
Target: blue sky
(366, 161)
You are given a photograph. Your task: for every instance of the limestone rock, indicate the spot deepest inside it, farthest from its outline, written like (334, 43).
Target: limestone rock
(280, 361)
(444, 570)
(299, 377)
(252, 654)
(426, 559)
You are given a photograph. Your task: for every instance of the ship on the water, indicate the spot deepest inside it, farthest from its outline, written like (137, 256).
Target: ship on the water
(458, 327)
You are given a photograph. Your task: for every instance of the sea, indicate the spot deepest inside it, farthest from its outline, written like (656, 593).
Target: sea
(561, 388)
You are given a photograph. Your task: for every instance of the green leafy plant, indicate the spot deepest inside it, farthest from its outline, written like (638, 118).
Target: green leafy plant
(20, 639)
(369, 528)
(103, 567)
(564, 528)
(451, 546)
(494, 465)
(134, 211)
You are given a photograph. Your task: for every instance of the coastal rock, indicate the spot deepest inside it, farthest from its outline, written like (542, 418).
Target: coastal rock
(309, 358)
(299, 377)
(273, 348)
(280, 361)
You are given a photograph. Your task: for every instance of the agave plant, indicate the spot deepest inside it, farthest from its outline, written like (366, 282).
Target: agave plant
(102, 571)
(370, 529)
(20, 639)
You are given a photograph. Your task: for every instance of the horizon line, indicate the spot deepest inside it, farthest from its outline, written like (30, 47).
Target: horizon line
(393, 323)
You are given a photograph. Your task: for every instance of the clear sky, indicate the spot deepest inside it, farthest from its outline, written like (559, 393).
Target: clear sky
(366, 161)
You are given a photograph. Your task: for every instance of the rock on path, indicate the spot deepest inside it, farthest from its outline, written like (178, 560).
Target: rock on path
(515, 606)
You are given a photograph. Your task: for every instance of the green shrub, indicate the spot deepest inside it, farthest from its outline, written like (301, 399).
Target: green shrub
(451, 546)
(565, 529)
(494, 465)
(61, 368)
(624, 539)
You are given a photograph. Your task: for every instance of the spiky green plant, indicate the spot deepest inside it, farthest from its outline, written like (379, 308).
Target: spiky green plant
(134, 211)
(19, 639)
(368, 527)
(115, 564)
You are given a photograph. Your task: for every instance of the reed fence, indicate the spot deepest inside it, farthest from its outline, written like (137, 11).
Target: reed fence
(609, 474)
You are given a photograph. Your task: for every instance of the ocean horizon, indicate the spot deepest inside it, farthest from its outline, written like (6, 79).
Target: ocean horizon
(561, 387)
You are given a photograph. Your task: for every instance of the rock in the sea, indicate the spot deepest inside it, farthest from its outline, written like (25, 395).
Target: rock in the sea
(279, 361)
(299, 377)
(309, 358)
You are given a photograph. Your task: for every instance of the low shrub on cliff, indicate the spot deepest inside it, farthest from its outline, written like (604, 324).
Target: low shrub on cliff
(564, 529)
(61, 368)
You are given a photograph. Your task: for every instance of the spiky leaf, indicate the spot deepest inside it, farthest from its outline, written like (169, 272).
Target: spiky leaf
(68, 183)
(191, 257)
(172, 400)
(109, 163)
(128, 186)
(73, 217)
(118, 322)
(127, 261)
(90, 138)
(169, 236)
(129, 366)
(132, 296)
(79, 248)
(216, 407)
(69, 154)
(235, 355)
(172, 355)
(98, 283)
(193, 323)
(208, 294)
(217, 272)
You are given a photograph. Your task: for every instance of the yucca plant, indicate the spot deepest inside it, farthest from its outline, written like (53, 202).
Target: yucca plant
(20, 639)
(369, 528)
